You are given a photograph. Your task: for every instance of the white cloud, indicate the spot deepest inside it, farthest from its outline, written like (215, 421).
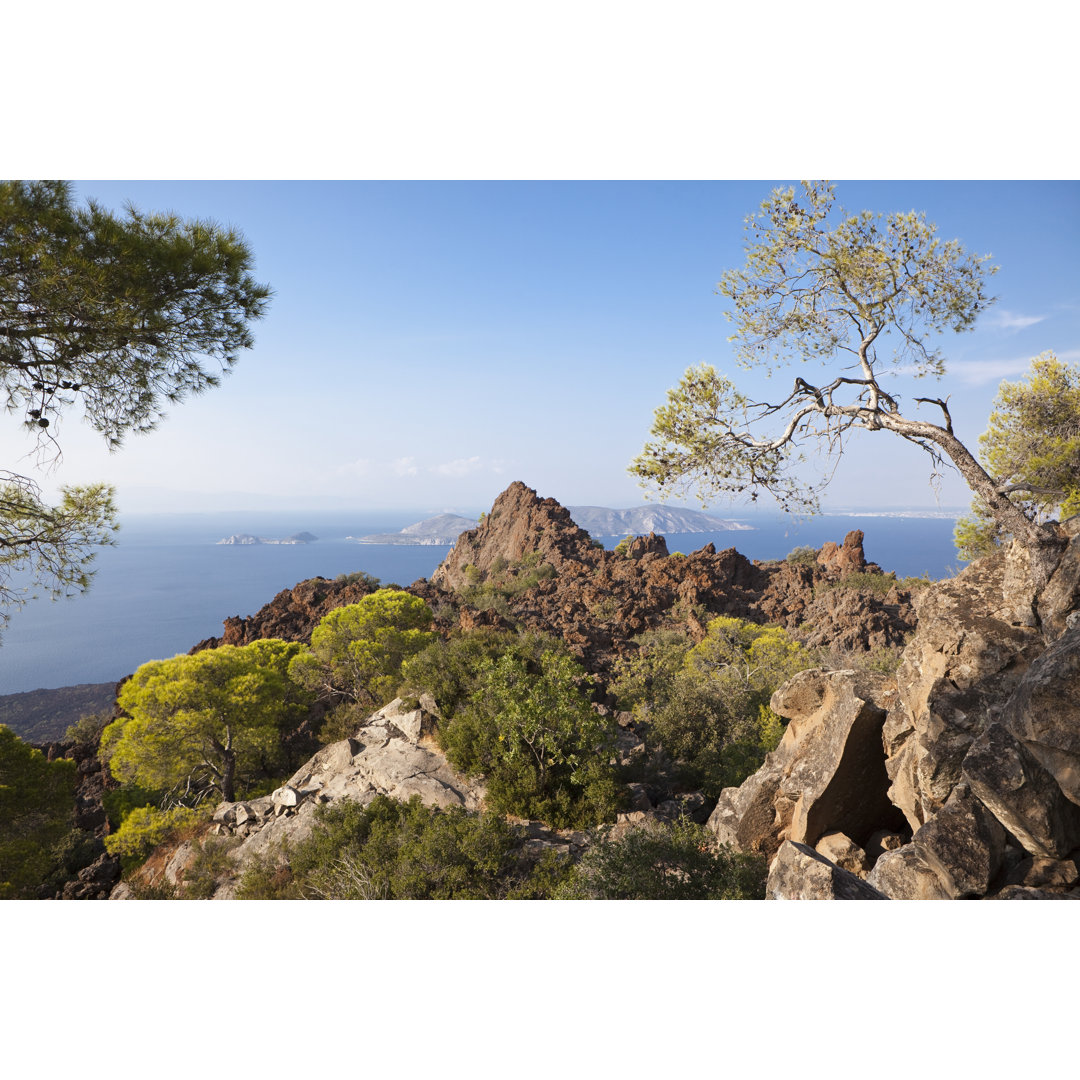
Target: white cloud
(1011, 320)
(466, 466)
(405, 466)
(976, 372)
(458, 467)
(359, 467)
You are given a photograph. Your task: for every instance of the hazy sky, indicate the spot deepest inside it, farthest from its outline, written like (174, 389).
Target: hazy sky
(429, 342)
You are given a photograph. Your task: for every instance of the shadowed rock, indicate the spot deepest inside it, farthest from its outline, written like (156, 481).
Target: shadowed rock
(800, 873)
(827, 774)
(1044, 711)
(1022, 795)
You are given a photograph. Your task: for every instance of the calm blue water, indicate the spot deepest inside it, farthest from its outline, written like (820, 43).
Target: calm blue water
(168, 584)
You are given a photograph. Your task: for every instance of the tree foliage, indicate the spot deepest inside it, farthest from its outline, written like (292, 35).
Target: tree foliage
(822, 286)
(357, 650)
(1032, 450)
(49, 547)
(205, 722)
(37, 805)
(120, 316)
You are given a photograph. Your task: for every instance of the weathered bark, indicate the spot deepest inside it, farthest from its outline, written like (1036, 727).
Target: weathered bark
(228, 778)
(1008, 515)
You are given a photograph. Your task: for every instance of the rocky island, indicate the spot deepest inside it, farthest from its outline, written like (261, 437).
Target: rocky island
(435, 531)
(248, 539)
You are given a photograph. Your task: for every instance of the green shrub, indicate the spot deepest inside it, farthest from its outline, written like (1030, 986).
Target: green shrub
(119, 802)
(448, 668)
(269, 876)
(515, 709)
(358, 576)
(677, 861)
(803, 556)
(706, 706)
(210, 867)
(529, 730)
(146, 827)
(87, 729)
(392, 850)
(645, 675)
(880, 584)
(623, 546)
(37, 805)
(342, 722)
(504, 581)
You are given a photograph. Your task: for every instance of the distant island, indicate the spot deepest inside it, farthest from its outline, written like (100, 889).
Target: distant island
(600, 521)
(247, 538)
(444, 529)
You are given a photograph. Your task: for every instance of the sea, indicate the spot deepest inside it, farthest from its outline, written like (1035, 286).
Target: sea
(168, 584)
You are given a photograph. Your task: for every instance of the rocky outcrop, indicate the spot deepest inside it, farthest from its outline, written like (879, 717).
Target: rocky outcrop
(1044, 711)
(975, 746)
(519, 524)
(391, 754)
(598, 600)
(826, 776)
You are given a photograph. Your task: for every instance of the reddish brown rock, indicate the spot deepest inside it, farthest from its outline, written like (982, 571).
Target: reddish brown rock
(292, 614)
(847, 558)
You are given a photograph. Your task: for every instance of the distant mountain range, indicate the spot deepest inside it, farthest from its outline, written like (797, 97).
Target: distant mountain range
(600, 521)
(247, 538)
(595, 520)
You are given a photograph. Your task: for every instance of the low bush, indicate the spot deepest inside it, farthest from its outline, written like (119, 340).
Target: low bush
(803, 556)
(706, 706)
(515, 710)
(146, 827)
(87, 729)
(391, 850)
(210, 867)
(544, 752)
(37, 805)
(358, 577)
(504, 581)
(676, 861)
(880, 584)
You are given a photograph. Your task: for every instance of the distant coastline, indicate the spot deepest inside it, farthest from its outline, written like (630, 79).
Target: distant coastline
(246, 539)
(598, 521)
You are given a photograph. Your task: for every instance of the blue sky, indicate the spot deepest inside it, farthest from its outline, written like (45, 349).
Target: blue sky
(429, 342)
